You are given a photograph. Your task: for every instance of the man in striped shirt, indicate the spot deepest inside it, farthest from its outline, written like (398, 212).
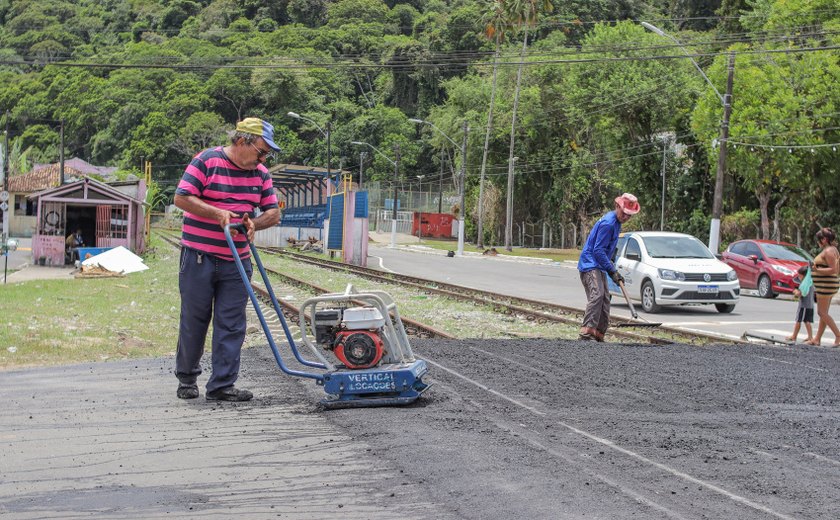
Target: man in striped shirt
(221, 185)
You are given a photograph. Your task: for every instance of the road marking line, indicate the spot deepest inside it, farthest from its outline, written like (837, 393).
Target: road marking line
(381, 263)
(824, 459)
(610, 444)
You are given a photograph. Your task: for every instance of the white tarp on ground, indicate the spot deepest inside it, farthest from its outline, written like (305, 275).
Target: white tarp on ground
(118, 260)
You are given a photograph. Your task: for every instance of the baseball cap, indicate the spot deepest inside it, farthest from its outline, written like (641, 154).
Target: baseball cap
(628, 203)
(256, 126)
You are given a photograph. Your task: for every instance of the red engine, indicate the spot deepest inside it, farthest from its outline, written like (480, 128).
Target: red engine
(358, 348)
(354, 335)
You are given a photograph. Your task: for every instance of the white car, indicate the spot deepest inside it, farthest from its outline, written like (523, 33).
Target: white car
(662, 268)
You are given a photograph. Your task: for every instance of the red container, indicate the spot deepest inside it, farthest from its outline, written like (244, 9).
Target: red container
(433, 225)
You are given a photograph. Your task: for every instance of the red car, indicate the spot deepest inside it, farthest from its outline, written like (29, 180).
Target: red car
(766, 266)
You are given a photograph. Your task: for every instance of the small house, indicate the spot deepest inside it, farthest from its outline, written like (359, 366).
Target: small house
(108, 216)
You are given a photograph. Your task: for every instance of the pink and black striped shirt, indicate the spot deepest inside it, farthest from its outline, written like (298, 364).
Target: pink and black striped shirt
(216, 180)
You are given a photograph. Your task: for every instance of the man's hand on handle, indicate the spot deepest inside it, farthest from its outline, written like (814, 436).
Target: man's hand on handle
(617, 278)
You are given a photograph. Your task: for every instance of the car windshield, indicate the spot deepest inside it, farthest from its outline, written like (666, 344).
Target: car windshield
(785, 252)
(676, 247)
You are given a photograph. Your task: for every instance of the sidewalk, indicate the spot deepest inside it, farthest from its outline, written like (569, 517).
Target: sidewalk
(37, 272)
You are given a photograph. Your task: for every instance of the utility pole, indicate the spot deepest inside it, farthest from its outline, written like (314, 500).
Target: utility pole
(717, 203)
(362, 156)
(9, 211)
(329, 151)
(440, 183)
(61, 154)
(462, 213)
(662, 215)
(396, 176)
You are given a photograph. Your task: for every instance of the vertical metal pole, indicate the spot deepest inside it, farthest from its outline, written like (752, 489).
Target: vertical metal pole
(9, 212)
(440, 184)
(61, 154)
(329, 154)
(394, 214)
(361, 167)
(462, 213)
(662, 216)
(717, 204)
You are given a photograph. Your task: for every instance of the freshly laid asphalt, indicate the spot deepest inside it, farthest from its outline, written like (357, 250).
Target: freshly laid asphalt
(111, 440)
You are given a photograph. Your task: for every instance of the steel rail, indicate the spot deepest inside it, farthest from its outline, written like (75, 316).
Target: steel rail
(532, 309)
(413, 327)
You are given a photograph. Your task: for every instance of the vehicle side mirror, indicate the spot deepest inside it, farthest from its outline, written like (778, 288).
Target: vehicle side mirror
(719, 256)
(633, 256)
(754, 258)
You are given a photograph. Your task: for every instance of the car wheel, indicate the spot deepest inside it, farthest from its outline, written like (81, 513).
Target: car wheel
(649, 298)
(725, 308)
(765, 289)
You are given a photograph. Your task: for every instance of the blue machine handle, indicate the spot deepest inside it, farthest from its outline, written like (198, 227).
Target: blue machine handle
(241, 228)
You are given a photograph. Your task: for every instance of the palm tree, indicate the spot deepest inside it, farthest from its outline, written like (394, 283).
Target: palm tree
(523, 14)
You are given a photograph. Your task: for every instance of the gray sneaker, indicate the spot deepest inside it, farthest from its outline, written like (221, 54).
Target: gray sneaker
(229, 393)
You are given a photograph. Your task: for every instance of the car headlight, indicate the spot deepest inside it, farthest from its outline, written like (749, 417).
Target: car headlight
(784, 270)
(732, 276)
(668, 274)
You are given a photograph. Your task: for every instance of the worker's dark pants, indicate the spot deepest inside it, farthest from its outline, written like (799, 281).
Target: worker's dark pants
(210, 286)
(597, 314)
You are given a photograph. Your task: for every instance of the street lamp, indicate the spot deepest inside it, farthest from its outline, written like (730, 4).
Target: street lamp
(326, 133)
(463, 176)
(396, 165)
(726, 100)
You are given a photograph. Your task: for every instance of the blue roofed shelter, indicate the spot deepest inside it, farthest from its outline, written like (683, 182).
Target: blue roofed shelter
(308, 198)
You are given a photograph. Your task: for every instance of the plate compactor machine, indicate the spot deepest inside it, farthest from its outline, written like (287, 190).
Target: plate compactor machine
(374, 363)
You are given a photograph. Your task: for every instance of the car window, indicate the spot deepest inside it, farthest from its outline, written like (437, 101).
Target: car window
(633, 247)
(752, 249)
(618, 247)
(676, 247)
(786, 252)
(738, 248)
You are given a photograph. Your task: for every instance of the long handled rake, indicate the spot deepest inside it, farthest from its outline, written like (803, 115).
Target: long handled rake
(643, 322)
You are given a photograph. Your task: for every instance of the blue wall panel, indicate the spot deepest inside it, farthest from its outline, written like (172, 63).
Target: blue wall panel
(335, 235)
(361, 205)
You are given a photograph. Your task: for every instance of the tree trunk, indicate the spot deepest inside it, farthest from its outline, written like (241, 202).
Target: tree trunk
(763, 195)
(777, 209)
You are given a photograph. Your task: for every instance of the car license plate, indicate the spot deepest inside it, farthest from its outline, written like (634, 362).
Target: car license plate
(707, 289)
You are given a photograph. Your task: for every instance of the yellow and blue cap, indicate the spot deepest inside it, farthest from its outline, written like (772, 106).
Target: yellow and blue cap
(256, 126)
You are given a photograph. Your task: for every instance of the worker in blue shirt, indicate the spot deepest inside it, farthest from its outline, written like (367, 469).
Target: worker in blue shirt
(596, 264)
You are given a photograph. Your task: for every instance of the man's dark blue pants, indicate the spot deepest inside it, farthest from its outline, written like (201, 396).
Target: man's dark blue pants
(210, 287)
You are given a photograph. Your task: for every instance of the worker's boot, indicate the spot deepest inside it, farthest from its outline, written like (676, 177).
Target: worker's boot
(599, 336)
(588, 334)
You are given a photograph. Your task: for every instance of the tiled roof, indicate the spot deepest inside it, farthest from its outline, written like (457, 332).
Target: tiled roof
(41, 179)
(83, 166)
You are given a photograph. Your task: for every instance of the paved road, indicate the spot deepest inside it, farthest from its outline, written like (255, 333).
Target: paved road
(559, 283)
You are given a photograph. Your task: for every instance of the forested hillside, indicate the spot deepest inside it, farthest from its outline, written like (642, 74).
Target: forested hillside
(603, 104)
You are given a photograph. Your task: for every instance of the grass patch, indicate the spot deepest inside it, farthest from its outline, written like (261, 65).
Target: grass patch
(49, 322)
(52, 322)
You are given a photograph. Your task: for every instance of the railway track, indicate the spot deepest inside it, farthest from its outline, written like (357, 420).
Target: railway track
(291, 312)
(536, 310)
(531, 310)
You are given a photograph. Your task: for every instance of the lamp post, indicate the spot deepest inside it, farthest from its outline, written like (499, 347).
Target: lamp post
(726, 101)
(463, 176)
(509, 208)
(420, 224)
(326, 133)
(396, 165)
(362, 156)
